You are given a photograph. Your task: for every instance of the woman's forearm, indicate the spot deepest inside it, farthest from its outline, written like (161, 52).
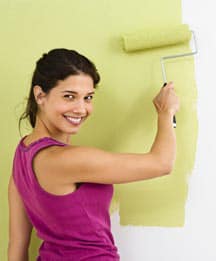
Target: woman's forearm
(164, 146)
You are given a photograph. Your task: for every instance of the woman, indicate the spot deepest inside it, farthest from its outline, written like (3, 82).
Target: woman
(62, 190)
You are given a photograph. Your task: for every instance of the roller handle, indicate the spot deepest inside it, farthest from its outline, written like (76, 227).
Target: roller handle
(174, 118)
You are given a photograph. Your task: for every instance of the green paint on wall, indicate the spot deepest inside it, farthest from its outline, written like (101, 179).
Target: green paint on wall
(124, 118)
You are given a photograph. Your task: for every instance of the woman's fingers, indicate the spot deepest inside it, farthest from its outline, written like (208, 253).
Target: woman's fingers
(166, 99)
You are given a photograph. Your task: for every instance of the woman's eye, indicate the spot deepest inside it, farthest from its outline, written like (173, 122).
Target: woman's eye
(89, 97)
(68, 96)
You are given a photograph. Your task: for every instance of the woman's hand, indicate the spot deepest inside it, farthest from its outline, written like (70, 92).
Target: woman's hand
(166, 100)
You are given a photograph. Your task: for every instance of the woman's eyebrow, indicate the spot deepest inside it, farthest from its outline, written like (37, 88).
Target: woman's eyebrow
(77, 92)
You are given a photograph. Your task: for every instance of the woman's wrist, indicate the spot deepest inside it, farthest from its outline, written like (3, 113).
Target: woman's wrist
(166, 113)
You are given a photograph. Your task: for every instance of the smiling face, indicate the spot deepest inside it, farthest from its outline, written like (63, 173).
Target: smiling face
(67, 105)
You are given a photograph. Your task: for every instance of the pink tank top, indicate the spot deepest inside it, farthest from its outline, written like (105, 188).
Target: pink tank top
(73, 227)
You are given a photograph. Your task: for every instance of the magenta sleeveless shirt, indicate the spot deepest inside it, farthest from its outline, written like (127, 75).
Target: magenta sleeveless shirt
(73, 227)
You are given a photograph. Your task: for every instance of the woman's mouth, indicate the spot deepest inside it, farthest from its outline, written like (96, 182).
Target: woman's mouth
(73, 120)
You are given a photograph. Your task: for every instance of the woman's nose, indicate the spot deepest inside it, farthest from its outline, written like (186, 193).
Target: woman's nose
(79, 107)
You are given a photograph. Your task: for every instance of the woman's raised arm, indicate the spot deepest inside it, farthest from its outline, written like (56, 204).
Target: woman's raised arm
(88, 164)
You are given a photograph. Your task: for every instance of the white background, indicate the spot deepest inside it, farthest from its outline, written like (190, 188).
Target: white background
(197, 239)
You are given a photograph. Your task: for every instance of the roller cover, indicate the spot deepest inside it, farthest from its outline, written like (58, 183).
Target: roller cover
(156, 37)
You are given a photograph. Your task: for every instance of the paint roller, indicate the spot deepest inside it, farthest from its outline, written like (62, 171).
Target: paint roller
(143, 40)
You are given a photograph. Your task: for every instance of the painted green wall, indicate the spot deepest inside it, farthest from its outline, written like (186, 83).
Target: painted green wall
(124, 118)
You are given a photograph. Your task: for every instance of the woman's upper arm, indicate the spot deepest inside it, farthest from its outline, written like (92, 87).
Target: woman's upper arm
(88, 164)
(20, 227)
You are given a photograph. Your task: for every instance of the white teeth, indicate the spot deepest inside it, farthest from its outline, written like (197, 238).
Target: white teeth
(75, 120)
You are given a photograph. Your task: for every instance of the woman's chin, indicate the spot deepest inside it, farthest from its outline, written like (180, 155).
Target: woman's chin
(73, 131)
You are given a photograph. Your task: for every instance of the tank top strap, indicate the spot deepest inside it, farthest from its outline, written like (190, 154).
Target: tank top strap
(39, 144)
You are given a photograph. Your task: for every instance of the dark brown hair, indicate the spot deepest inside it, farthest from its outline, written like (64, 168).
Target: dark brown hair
(53, 66)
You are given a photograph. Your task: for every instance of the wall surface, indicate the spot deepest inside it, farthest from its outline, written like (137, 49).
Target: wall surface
(35, 28)
(196, 240)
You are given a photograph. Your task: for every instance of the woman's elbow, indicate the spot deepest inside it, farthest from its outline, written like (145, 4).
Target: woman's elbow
(17, 252)
(167, 168)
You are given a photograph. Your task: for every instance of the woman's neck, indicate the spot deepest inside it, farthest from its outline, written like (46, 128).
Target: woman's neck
(41, 130)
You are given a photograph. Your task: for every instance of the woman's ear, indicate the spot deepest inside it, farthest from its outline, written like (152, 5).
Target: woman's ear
(38, 94)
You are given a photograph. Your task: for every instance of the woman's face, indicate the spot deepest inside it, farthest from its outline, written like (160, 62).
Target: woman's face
(67, 105)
